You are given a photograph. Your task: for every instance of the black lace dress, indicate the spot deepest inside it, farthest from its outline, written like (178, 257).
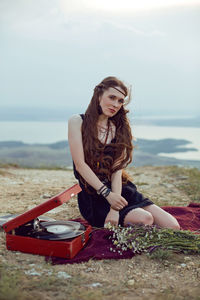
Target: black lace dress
(94, 208)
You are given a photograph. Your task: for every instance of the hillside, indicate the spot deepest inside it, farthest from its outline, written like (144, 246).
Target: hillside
(30, 277)
(146, 152)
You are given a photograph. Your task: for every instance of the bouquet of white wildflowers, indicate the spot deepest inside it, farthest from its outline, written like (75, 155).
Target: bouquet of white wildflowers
(146, 238)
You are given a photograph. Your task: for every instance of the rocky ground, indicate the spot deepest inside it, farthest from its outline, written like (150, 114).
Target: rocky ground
(26, 276)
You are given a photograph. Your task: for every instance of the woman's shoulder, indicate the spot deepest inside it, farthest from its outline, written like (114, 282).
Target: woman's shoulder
(75, 119)
(75, 123)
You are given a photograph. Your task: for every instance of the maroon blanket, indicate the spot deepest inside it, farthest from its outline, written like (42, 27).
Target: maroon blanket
(99, 244)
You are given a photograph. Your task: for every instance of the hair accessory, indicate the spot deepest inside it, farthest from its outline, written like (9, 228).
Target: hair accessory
(119, 90)
(101, 86)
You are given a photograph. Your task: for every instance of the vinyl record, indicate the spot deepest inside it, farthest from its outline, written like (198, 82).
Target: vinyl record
(6, 218)
(59, 230)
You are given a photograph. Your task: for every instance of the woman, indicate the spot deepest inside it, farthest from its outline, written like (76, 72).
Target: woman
(101, 147)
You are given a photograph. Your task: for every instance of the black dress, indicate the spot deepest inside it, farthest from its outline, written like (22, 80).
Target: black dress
(94, 208)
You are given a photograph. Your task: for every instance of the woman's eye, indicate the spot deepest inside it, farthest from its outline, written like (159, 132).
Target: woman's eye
(112, 97)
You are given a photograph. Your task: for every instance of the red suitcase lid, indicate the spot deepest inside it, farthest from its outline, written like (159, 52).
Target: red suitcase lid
(42, 208)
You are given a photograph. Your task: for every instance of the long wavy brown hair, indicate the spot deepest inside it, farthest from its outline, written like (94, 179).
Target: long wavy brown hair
(106, 159)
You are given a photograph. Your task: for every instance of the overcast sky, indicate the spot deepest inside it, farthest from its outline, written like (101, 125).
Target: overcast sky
(53, 52)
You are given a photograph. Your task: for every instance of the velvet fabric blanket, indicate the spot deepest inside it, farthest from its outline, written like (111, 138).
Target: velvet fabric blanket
(99, 244)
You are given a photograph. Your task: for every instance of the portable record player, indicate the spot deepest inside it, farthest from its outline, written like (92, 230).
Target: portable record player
(30, 234)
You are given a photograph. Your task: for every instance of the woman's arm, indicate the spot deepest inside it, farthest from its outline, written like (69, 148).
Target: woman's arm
(76, 148)
(116, 182)
(116, 186)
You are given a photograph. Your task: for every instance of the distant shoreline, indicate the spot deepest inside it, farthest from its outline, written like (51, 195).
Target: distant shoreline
(146, 152)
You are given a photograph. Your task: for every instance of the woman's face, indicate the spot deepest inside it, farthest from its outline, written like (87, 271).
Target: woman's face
(111, 101)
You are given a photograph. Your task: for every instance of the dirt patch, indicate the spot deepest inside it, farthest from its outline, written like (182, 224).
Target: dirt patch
(26, 276)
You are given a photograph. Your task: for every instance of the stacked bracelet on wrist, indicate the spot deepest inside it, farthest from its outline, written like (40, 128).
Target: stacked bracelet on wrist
(104, 191)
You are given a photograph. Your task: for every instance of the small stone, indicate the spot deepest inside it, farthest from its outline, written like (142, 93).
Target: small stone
(167, 185)
(90, 270)
(130, 266)
(95, 284)
(183, 265)
(182, 177)
(46, 196)
(131, 282)
(187, 258)
(33, 272)
(63, 275)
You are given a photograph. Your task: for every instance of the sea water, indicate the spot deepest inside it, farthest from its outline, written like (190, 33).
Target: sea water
(51, 132)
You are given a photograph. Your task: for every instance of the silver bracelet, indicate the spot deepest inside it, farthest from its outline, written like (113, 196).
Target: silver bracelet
(106, 192)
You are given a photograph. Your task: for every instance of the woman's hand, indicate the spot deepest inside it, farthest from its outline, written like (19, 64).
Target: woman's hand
(112, 217)
(116, 201)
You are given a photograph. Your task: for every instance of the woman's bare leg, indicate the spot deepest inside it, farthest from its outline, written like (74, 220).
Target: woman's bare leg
(161, 217)
(138, 215)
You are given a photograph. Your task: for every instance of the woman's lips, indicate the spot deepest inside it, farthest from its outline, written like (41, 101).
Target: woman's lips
(112, 110)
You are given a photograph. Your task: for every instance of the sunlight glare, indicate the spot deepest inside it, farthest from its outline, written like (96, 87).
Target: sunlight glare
(134, 5)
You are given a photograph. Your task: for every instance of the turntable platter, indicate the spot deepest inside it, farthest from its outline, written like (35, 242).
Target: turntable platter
(60, 230)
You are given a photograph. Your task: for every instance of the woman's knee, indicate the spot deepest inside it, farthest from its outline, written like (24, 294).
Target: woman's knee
(139, 216)
(174, 225)
(162, 218)
(147, 219)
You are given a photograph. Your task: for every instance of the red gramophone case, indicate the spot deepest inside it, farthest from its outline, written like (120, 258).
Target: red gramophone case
(66, 248)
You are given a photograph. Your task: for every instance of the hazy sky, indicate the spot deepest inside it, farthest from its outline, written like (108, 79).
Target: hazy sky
(53, 52)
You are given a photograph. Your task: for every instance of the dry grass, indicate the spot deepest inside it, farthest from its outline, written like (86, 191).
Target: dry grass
(164, 275)
(188, 180)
